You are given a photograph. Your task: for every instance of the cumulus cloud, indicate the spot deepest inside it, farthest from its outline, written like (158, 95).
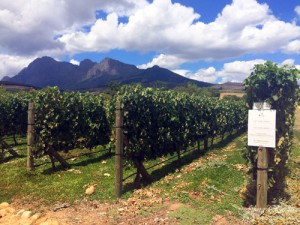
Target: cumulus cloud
(74, 62)
(235, 71)
(289, 62)
(292, 47)
(209, 75)
(182, 72)
(28, 27)
(173, 29)
(162, 60)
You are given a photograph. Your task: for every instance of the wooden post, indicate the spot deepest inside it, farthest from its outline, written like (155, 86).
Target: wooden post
(205, 143)
(119, 150)
(30, 137)
(262, 178)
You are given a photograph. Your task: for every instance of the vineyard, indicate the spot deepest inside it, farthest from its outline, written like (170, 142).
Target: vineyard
(188, 147)
(156, 122)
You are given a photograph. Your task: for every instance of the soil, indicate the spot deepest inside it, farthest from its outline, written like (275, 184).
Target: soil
(95, 213)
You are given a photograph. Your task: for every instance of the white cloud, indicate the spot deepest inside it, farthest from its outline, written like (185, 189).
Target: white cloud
(161, 26)
(209, 75)
(293, 47)
(74, 62)
(182, 72)
(166, 61)
(173, 29)
(238, 70)
(235, 71)
(28, 27)
(289, 62)
(11, 65)
(103, 36)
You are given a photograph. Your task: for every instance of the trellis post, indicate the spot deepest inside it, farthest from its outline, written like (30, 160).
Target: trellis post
(119, 150)
(30, 137)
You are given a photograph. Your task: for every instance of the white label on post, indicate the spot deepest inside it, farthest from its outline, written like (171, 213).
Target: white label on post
(262, 128)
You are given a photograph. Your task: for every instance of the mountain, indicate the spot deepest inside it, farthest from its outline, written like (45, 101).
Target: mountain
(111, 67)
(46, 71)
(156, 73)
(229, 86)
(107, 71)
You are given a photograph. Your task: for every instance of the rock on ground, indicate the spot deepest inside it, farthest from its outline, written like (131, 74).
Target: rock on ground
(11, 216)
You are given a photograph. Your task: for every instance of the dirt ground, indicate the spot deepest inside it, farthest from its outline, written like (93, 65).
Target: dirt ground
(95, 213)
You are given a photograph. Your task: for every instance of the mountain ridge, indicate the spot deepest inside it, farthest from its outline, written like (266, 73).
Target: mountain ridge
(46, 71)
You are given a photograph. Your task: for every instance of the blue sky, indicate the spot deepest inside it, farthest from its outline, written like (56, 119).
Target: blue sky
(214, 41)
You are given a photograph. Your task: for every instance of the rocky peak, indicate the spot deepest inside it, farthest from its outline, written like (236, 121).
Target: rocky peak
(43, 61)
(86, 64)
(111, 67)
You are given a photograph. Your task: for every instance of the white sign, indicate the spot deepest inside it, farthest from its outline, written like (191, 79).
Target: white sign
(262, 128)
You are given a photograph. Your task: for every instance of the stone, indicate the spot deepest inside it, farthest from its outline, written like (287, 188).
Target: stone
(35, 216)
(20, 212)
(50, 222)
(27, 222)
(3, 213)
(90, 190)
(9, 210)
(4, 205)
(26, 214)
(41, 220)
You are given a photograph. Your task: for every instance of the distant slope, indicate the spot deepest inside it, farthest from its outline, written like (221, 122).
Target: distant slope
(229, 86)
(156, 74)
(12, 85)
(46, 71)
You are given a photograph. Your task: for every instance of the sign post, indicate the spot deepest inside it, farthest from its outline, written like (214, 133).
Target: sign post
(262, 178)
(262, 133)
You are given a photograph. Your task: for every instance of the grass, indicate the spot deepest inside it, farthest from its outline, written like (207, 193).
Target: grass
(205, 184)
(96, 167)
(61, 186)
(212, 187)
(190, 216)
